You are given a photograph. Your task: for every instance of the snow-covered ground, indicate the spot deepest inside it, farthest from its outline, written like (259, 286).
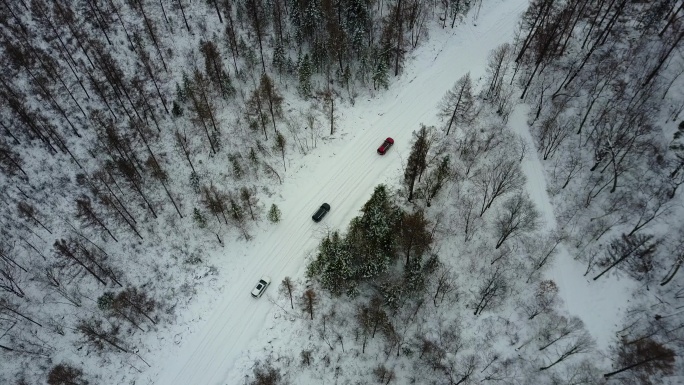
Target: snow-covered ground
(600, 304)
(214, 333)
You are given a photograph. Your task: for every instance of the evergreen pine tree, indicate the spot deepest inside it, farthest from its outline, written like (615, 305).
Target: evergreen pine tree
(417, 161)
(414, 278)
(305, 71)
(227, 88)
(199, 218)
(176, 110)
(274, 214)
(181, 93)
(333, 265)
(373, 234)
(380, 76)
(195, 182)
(436, 179)
(279, 60)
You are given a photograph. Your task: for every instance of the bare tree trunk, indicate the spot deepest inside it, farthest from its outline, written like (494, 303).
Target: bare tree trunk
(185, 19)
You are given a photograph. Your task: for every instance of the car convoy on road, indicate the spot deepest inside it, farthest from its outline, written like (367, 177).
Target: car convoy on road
(263, 283)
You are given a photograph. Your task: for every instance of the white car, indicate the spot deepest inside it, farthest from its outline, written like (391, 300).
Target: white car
(260, 288)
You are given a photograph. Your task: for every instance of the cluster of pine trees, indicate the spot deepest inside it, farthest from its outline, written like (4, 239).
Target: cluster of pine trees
(368, 252)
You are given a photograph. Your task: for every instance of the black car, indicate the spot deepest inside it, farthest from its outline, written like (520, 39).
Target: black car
(320, 213)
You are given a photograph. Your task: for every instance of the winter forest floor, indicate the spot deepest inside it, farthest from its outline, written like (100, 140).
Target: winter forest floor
(488, 313)
(225, 331)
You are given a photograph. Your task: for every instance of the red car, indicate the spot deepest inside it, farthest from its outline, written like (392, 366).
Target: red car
(385, 146)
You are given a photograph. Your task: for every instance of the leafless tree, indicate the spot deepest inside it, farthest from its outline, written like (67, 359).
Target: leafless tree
(266, 374)
(445, 285)
(581, 344)
(213, 67)
(377, 317)
(110, 199)
(436, 178)
(150, 68)
(566, 168)
(329, 96)
(64, 374)
(249, 200)
(543, 301)
(10, 161)
(256, 113)
(551, 134)
(637, 249)
(476, 143)
(383, 375)
(556, 328)
(107, 303)
(162, 176)
(101, 337)
(643, 360)
(540, 251)
(72, 253)
(128, 169)
(497, 179)
(490, 290)
(308, 302)
(130, 304)
(675, 248)
(11, 311)
(183, 144)
(86, 212)
(306, 357)
(364, 321)
(467, 216)
(287, 287)
(620, 141)
(56, 278)
(518, 216)
(151, 29)
(231, 34)
(272, 98)
(584, 372)
(204, 108)
(646, 204)
(461, 371)
(10, 275)
(414, 238)
(457, 107)
(238, 216)
(497, 67)
(257, 19)
(215, 202)
(280, 146)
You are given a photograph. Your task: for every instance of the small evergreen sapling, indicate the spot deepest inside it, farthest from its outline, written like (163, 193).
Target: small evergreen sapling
(274, 214)
(176, 110)
(199, 218)
(195, 182)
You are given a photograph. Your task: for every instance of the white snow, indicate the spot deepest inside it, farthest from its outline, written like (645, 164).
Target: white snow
(598, 303)
(342, 171)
